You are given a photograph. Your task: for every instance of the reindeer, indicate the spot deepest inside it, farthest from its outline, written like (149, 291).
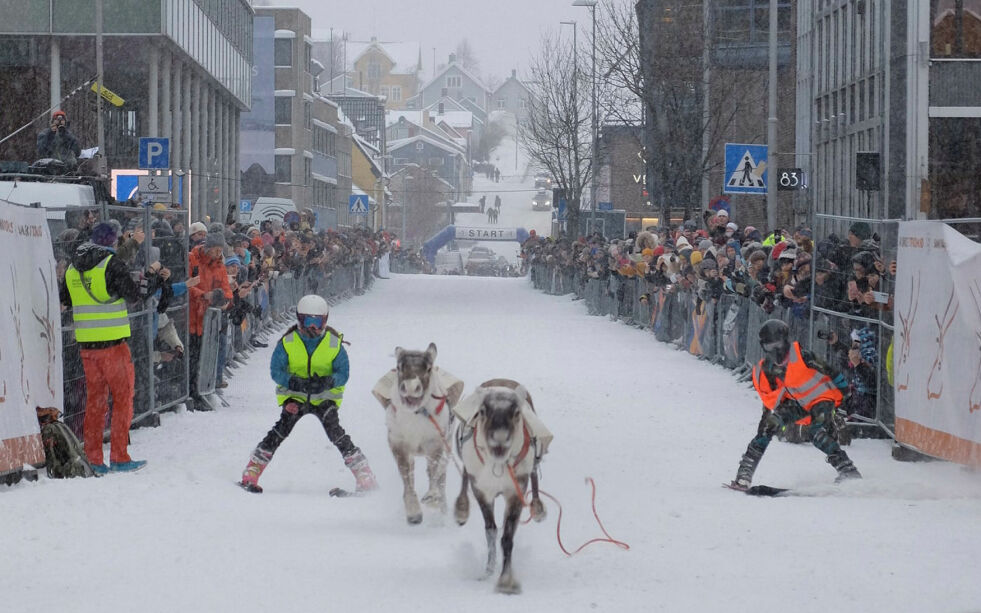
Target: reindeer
(501, 442)
(938, 362)
(418, 398)
(905, 335)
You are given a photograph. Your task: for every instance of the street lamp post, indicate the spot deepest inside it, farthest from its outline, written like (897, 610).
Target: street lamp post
(595, 152)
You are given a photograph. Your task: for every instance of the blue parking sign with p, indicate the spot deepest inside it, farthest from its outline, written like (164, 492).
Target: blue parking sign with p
(154, 153)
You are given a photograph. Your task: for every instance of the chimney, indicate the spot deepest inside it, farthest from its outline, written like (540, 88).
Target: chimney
(441, 108)
(452, 58)
(514, 73)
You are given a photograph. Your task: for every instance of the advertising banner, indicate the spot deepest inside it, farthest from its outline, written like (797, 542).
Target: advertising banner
(30, 347)
(258, 126)
(937, 345)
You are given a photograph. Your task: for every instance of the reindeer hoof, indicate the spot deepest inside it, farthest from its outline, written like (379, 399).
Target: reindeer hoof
(461, 510)
(508, 586)
(434, 500)
(414, 519)
(538, 512)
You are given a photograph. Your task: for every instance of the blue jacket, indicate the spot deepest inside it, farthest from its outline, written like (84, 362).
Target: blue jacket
(279, 367)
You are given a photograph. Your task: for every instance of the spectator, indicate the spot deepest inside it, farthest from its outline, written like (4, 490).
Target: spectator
(207, 262)
(57, 141)
(96, 286)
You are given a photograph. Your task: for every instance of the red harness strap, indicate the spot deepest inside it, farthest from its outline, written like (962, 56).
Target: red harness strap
(439, 407)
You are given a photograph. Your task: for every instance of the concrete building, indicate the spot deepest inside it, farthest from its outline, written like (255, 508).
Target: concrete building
(901, 79)
(182, 68)
(621, 175)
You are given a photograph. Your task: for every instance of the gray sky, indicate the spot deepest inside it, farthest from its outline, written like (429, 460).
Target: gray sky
(504, 33)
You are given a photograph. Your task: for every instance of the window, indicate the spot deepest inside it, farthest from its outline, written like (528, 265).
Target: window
(307, 115)
(284, 111)
(283, 52)
(307, 171)
(955, 27)
(401, 161)
(308, 57)
(435, 161)
(454, 81)
(396, 93)
(522, 103)
(384, 91)
(502, 103)
(331, 144)
(420, 145)
(284, 168)
(374, 70)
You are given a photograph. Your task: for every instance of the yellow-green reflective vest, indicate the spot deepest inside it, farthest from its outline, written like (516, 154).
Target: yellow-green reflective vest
(98, 316)
(304, 365)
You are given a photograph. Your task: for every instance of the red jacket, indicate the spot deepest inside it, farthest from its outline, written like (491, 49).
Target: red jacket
(213, 276)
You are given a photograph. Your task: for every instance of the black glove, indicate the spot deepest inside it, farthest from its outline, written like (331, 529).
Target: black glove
(298, 384)
(318, 385)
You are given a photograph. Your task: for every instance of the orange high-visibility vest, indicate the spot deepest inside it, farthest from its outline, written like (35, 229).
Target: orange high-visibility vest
(804, 384)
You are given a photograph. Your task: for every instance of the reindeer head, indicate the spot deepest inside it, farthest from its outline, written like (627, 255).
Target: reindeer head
(414, 370)
(501, 411)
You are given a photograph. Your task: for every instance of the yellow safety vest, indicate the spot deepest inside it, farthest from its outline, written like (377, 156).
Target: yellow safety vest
(98, 316)
(304, 366)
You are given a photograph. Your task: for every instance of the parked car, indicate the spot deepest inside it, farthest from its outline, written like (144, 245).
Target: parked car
(482, 261)
(542, 201)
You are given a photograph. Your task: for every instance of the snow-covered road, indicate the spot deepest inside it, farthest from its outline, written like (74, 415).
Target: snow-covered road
(658, 430)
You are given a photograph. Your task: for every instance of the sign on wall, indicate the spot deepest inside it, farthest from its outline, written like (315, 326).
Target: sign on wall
(936, 348)
(30, 347)
(486, 234)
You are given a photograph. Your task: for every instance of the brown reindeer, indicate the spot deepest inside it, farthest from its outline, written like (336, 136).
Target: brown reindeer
(501, 442)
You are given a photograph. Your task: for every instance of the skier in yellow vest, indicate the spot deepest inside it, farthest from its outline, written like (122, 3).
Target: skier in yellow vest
(310, 368)
(97, 286)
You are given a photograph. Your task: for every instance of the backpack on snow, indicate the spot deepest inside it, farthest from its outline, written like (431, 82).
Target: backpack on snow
(64, 455)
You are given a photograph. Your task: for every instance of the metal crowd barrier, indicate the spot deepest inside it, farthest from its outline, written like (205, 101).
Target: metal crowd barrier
(724, 330)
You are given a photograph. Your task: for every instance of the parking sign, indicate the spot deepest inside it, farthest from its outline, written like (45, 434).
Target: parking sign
(154, 153)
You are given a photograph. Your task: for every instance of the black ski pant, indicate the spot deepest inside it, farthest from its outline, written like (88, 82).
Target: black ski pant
(326, 413)
(788, 412)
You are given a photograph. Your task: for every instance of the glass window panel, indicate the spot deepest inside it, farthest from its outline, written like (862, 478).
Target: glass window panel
(284, 111)
(283, 52)
(284, 168)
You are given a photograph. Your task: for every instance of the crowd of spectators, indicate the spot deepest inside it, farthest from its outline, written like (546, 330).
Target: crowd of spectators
(217, 265)
(718, 257)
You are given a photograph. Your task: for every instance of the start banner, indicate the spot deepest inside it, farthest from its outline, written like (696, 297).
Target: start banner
(937, 345)
(30, 347)
(486, 234)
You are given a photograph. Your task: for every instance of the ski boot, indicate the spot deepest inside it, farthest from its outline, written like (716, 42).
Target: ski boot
(250, 476)
(747, 467)
(358, 464)
(846, 469)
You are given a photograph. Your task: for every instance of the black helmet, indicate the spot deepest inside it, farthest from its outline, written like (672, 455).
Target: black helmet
(775, 340)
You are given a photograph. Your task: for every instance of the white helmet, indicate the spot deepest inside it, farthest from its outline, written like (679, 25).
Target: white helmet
(311, 314)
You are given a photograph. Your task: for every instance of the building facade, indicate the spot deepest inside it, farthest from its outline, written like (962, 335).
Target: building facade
(512, 96)
(181, 67)
(455, 82)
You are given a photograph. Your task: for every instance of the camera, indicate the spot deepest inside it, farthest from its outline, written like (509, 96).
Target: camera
(824, 335)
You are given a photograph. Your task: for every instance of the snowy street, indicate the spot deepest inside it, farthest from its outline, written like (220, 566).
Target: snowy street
(657, 429)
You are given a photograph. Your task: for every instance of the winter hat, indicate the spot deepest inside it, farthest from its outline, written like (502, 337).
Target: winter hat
(861, 230)
(709, 264)
(723, 213)
(196, 227)
(648, 252)
(658, 251)
(118, 227)
(696, 258)
(683, 243)
(162, 228)
(788, 254)
(233, 260)
(732, 226)
(757, 255)
(704, 244)
(104, 234)
(214, 239)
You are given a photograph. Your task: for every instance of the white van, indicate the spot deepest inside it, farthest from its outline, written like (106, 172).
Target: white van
(449, 262)
(266, 208)
(49, 195)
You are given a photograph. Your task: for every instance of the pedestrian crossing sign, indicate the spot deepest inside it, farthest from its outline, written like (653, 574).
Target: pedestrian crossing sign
(358, 204)
(745, 171)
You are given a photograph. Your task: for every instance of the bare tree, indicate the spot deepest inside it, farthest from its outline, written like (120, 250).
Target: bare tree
(653, 53)
(557, 135)
(467, 57)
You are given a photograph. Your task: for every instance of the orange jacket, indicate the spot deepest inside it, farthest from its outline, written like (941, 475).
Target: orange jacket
(213, 276)
(808, 386)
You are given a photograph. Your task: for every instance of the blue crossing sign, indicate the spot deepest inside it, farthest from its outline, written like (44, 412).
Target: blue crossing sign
(358, 204)
(745, 169)
(154, 153)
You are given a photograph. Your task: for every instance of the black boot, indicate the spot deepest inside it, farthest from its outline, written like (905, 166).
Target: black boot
(846, 469)
(747, 467)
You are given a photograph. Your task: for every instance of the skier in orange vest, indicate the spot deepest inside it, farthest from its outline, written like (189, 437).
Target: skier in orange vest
(794, 384)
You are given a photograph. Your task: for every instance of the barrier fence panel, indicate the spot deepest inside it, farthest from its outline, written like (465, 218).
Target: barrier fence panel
(208, 357)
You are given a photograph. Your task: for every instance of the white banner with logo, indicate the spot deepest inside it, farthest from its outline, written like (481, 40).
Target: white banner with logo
(30, 347)
(937, 345)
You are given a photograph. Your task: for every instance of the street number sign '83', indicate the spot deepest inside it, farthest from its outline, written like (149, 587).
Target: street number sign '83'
(789, 179)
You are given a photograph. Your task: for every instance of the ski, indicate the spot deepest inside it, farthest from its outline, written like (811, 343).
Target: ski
(340, 492)
(249, 487)
(759, 490)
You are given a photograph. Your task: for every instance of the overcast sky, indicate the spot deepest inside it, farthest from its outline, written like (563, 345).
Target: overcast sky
(504, 33)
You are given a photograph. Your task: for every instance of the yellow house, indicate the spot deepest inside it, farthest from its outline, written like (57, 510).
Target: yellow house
(367, 177)
(386, 69)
